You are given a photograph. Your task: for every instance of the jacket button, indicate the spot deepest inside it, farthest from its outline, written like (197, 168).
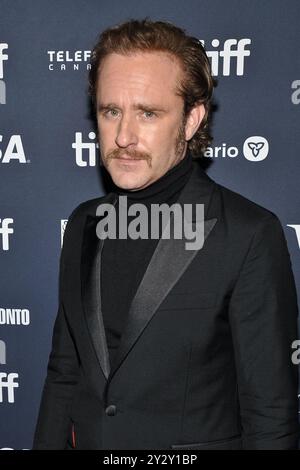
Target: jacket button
(111, 410)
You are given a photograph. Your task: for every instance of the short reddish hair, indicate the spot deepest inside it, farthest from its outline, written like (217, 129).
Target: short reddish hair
(147, 36)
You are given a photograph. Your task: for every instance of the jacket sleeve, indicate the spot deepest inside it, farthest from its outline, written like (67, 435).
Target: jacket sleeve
(263, 316)
(53, 421)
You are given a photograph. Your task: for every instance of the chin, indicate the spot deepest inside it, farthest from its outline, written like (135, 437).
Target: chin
(128, 182)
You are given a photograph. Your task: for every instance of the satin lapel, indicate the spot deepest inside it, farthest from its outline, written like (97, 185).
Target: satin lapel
(168, 263)
(91, 283)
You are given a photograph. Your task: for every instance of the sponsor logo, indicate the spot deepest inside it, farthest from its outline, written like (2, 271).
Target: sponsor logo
(5, 231)
(8, 383)
(222, 59)
(14, 150)
(3, 57)
(255, 149)
(85, 152)
(63, 60)
(14, 316)
(221, 151)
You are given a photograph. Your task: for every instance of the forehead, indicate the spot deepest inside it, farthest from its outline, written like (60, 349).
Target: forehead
(156, 74)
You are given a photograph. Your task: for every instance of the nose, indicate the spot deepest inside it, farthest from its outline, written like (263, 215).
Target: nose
(126, 133)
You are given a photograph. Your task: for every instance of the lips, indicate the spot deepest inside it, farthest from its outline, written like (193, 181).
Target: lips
(128, 159)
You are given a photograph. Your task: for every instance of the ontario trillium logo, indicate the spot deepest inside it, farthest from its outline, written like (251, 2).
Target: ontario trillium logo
(256, 148)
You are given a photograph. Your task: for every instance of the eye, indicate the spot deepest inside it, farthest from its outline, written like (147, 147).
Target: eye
(149, 114)
(111, 112)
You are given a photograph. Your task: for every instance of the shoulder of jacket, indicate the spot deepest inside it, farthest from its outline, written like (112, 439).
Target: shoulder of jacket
(85, 208)
(240, 208)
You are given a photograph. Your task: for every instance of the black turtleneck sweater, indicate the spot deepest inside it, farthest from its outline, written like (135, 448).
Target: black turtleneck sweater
(124, 261)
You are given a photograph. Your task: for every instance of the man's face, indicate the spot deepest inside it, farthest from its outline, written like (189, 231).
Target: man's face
(140, 117)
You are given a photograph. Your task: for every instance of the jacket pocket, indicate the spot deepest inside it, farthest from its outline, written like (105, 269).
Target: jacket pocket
(234, 443)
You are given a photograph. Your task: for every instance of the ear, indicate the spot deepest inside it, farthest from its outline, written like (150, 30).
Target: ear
(193, 121)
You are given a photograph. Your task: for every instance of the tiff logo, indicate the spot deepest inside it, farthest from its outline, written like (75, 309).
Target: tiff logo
(8, 382)
(3, 57)
(90, 147)
(2, 352)
(232, 49)
(5, 230)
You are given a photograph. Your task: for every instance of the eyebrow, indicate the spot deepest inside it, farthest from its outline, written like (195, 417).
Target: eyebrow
(137, 106)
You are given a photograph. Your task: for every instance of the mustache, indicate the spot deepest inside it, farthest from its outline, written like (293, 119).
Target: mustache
(132, 154)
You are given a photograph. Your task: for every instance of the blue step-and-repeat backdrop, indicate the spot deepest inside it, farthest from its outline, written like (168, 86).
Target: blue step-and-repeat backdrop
(49, 158)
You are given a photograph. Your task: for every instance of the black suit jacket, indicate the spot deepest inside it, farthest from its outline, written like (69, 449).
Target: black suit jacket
(205, 358)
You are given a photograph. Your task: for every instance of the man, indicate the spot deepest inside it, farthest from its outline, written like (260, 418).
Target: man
(157, 346)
